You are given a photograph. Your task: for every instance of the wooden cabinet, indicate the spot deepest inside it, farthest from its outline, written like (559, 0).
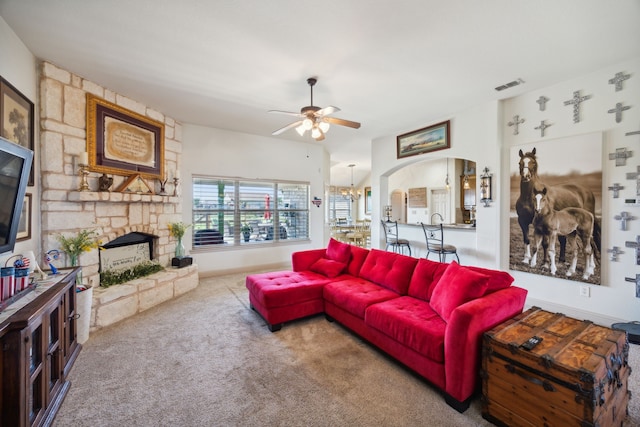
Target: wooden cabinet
(38, 348)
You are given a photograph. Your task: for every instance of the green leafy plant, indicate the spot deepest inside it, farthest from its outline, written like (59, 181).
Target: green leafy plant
(73, 246)
(115, 277)
(177, 229)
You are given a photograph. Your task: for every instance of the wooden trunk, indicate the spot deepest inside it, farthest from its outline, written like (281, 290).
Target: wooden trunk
(576, 376)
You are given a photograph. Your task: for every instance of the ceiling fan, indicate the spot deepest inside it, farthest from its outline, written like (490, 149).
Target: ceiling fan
(314, 118)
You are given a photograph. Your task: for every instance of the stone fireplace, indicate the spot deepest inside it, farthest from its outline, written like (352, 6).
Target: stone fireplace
(112, 215)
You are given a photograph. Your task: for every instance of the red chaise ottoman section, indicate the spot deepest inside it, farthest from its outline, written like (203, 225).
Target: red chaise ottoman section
(286, 295)
(411, 322)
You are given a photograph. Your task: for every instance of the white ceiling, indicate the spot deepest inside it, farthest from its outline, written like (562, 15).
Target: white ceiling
(394, 66)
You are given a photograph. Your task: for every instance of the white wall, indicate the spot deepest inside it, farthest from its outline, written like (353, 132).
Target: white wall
(216, 152)
(474, 136)
(19, 67)
(482, 134)
(615, 298)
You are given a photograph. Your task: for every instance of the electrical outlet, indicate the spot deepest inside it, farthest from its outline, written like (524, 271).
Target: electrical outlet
(585, 291)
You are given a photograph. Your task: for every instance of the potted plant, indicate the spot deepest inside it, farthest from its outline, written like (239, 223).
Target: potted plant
(246, 231)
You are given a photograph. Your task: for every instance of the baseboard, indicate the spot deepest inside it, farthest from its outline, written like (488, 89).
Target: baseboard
(597, 318)
(254, 269)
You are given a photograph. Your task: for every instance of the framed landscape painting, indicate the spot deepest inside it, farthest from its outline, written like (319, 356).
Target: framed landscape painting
(425, 140)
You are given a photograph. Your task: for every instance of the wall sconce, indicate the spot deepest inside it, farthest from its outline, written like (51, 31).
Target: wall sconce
(485, 188)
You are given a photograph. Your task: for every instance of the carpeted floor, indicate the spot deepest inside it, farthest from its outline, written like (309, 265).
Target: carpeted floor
(206, 359)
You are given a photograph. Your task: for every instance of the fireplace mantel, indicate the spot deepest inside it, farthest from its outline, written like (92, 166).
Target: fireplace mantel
(115, 197)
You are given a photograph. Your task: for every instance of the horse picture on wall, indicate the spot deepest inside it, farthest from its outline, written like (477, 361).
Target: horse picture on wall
(556, 208)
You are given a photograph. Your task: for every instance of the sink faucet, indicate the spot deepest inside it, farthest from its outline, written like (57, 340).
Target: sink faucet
(437, 214)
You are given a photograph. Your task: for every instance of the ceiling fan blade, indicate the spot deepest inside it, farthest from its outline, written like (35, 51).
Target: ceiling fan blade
(289, 113)
(342, 122)
(287, 127)
(327, 110)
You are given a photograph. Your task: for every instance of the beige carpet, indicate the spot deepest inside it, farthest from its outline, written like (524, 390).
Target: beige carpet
(206, 359)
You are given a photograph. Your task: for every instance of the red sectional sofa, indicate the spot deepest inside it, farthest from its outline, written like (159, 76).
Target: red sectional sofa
(428, 315)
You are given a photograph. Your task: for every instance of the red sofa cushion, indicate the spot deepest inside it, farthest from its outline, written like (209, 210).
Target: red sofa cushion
(282, 288)
(338, 251)
(497, 279)
(425, 278)
(411, 322)
(358, 256)
(456, 286)
(388, 269)
(355, 295)
(327, 267)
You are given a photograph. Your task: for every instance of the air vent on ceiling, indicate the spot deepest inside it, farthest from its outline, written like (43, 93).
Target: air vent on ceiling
(510, 84)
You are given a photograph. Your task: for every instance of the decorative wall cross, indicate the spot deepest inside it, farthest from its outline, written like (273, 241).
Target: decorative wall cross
(542, 127)
(636, 176)
(636, 281)
(623, 218)
(542, 102)
(614, 251)
(516, 122)
(576, 101)
(618, 79)
(616, 188)
(620, 156)
(635, 245)
(618, 110)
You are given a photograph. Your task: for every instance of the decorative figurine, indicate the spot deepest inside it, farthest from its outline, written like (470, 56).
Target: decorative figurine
(49, 257)
(105, 182)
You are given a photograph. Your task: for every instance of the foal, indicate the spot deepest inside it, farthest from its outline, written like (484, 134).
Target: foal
(571, 222)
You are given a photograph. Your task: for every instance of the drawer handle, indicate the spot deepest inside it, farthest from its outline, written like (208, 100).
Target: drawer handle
(546, 385)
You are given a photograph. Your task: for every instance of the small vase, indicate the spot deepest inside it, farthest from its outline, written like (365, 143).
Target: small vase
(180, 251)
(73, 260)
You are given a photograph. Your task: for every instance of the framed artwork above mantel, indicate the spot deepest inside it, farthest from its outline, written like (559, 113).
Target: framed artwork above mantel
(123, 142)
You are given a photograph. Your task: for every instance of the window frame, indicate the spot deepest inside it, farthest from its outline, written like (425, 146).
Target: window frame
(238, 213)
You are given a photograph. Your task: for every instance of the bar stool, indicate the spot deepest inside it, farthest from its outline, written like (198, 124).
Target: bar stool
(434, 234)
(391, 237)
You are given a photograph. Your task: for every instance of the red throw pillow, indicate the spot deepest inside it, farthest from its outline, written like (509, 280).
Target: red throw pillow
(457, 286)
(338, 251)
(327, 267)
(497, 279)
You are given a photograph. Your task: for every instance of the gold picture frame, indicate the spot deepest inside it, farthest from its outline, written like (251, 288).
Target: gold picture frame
(122, 142)
(367, 200)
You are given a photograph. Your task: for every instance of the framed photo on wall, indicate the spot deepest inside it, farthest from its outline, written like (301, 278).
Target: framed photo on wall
(122, 142)
(367, 200)
(24, 226)
(16, 118)
(425, 140)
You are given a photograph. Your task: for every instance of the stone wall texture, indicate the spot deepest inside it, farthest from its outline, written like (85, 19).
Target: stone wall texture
(64, 209)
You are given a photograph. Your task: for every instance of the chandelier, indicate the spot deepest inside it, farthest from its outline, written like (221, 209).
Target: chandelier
(351, 193)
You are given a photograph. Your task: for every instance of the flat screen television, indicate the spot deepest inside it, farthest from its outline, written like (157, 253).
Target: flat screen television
(15, 165)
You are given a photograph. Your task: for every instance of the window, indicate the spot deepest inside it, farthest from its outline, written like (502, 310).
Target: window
(339, 204)
(237, 212)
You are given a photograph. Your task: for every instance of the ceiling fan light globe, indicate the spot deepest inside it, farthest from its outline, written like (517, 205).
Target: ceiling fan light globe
(324, 126)
(316, 133)
(301, 130)
(307, 123)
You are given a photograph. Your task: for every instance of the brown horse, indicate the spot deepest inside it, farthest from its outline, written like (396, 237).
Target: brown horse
(549, 223)
(563, 196)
